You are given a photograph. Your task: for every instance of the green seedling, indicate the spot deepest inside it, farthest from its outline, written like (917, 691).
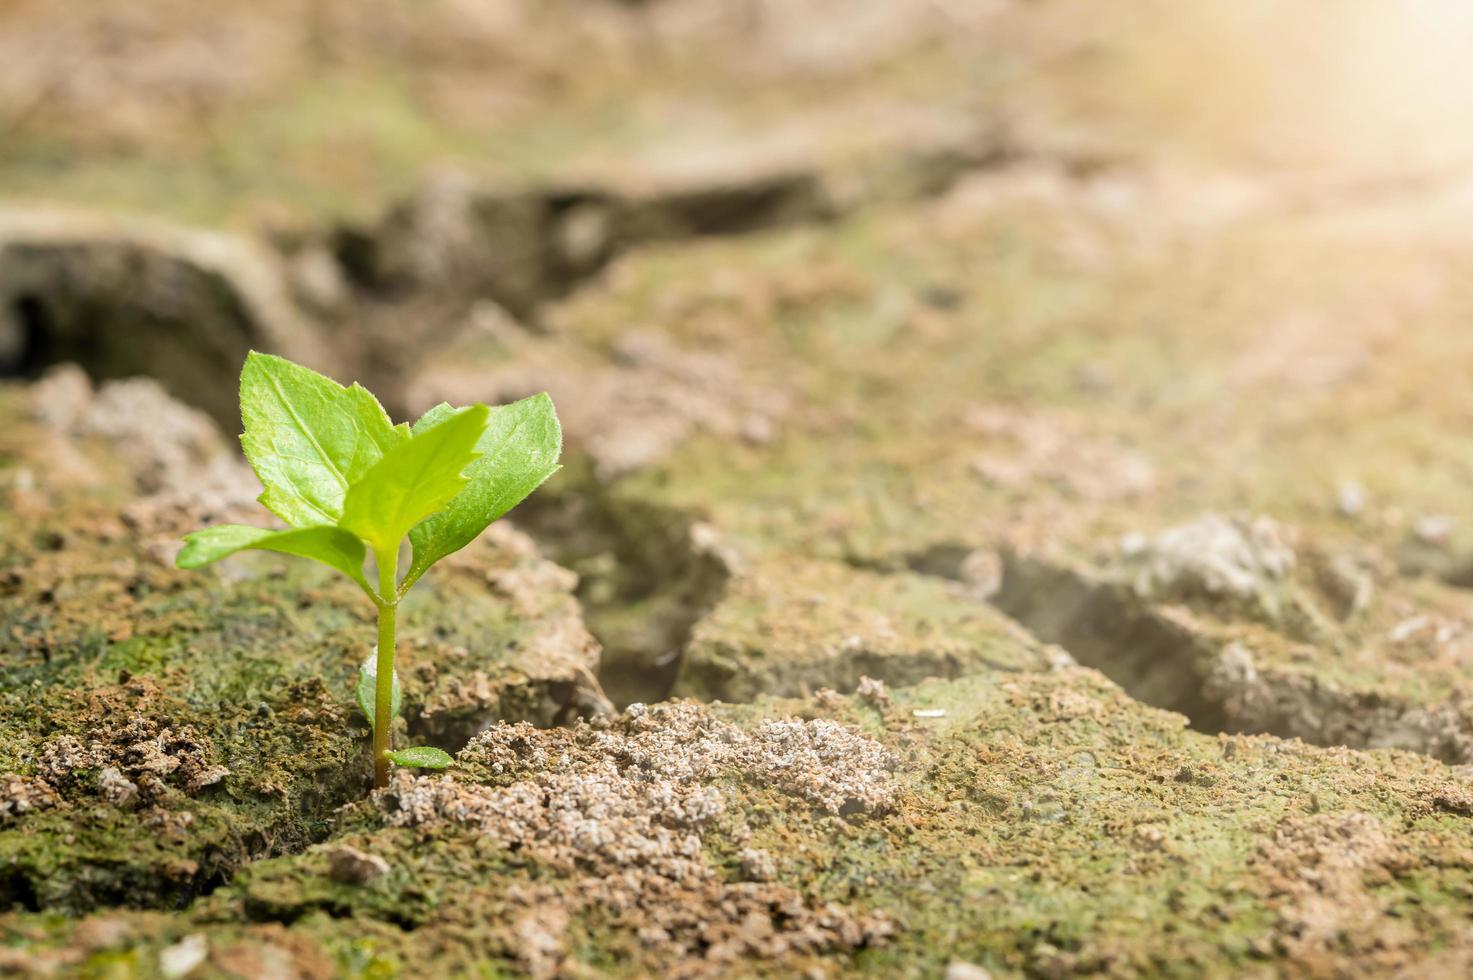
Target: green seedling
(352, 485)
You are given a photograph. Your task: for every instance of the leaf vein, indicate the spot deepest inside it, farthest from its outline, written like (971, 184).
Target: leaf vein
(311, 437)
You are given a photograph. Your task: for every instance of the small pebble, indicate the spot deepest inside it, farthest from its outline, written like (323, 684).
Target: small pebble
(873, 693)
(961, 970)
(1351, 498)
(1435, 529)
(354, 867)
(182, 957)
(1133, 543)
(1059, 658)
(1407, 628)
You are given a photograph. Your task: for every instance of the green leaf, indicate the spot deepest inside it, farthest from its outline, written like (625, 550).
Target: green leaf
(308, 438)
(518, 451)
(329, 545)
(414, 480)
(421, 757)
(367, 688)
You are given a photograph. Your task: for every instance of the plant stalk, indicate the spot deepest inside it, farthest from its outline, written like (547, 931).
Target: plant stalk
(383, 691)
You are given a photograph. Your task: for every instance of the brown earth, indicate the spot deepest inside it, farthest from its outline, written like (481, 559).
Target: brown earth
(1014, 490)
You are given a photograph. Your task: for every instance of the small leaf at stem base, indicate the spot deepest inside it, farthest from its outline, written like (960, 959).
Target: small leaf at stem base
(421, 757)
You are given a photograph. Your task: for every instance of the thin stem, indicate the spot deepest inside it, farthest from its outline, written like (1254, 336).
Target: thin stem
(388, 609)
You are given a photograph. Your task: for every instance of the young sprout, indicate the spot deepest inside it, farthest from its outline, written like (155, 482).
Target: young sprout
(351, 484)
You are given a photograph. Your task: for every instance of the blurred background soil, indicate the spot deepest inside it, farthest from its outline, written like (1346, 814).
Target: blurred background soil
(1091, 375)
(285, 110)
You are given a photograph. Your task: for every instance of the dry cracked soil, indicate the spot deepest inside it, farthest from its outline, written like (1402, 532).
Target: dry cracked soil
(1014, 520)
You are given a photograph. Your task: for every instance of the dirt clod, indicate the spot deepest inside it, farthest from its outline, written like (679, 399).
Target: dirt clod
(21, 794)
(1216, 556)
(351, 866)
(626, 805)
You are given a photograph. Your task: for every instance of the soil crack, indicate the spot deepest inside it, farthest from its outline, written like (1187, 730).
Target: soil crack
(1222, 642)
(647, 574)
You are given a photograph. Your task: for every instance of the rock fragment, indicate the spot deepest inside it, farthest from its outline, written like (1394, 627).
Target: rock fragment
(185, 956)
(1236, 557)
(351, 866)
(22, 794)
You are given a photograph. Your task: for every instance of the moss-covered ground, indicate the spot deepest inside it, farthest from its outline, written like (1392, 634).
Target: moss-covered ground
(1039, 824)
(1066, 568)
(162, 728)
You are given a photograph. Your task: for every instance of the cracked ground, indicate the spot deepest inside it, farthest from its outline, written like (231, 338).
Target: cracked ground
(1013, 523)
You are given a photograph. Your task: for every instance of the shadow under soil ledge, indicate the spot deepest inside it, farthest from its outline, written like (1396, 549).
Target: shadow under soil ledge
(645, 578)
(1165, 658)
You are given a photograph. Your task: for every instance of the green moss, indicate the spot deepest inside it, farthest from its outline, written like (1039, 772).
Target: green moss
(970, 375)
(169, 728)
(1044, 823)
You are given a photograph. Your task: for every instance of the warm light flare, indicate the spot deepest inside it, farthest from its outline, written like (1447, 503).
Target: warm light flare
(1377, 86)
